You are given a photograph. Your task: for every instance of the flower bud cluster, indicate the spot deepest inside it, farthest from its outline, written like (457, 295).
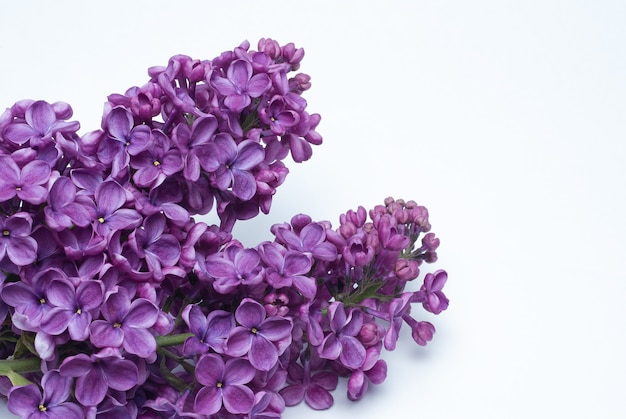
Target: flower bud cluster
(116, 302)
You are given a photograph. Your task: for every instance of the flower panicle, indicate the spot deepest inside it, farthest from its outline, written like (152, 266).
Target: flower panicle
(115, 301)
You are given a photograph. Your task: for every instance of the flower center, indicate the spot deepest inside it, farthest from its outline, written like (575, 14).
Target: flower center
(116, 324)
(42, 408)
(101, 220)
(6, 233)
(220, 385)
(156, 163)
(42, 300)
(79, 311)
(254, 330)
(18, 188)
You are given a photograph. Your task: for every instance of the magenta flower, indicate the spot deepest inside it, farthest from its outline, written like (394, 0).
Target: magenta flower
(97, 374)
(40, 123)
(278, 116)
(224, 384)
(26, 183)
(341, 343)
(263, 339)
(156, 163)
(210, 332)
(126, 325)
(240, 85)
(311, 240)
(27, 401)
(288, 268)
(15, 240)
(191, 141)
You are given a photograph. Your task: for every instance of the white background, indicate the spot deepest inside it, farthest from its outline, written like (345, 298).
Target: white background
(507, 119)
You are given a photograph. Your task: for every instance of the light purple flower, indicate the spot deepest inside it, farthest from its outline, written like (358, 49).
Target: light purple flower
(27, 401)
(97, 374)
(126, 325)
(26, 183)
(15, 240)
(341, 343)
(224, 384)
(263, 339)
(240, 85)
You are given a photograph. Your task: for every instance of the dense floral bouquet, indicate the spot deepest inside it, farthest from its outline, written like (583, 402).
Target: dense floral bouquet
(116, 303)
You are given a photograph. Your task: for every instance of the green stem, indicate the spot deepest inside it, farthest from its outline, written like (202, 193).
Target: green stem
(172, 340)
(20, 365)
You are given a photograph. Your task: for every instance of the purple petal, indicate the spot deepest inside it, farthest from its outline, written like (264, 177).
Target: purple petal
(249, 155)
(104, 334)
(237, 102)
(318, 397)
(19, 133)
(23, 400)
(326, 379)
(89, 294)
(119, 124)
(56, 321)
(195, 319)
(250, 313)
(22, 250)
(238, 342)
(275, 328)
(116, 306)
(40, 115)
(224, 86)
(210, 370)
(56, 387)
(238, 399)
(263, 354)
(258, 84)
(78, 326)
(352, 352)
(142, 313)
(244, 184)
(238, 371)
(36, 172)
(110, 196)
(61, 293)
(121, 374)
(75, 366)
(330, 347)
(208, 400)
(239, 73)
(91, 388)
(139, 342)
(293, 394)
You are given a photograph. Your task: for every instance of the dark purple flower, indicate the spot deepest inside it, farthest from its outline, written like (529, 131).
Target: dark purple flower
(126, 324)
(224, 384)
(27, 401)
(73, 307)
(310, 240)
(263, 339)
(373, 370)
(278, 116)
(97, 374)
(26, 183)
(341, 343)
(15, 240)
(210, 332)
(80, 242)
(240, 85)
(41, 122)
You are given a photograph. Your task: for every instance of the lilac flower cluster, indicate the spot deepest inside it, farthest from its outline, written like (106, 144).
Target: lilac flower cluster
(116, 303)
